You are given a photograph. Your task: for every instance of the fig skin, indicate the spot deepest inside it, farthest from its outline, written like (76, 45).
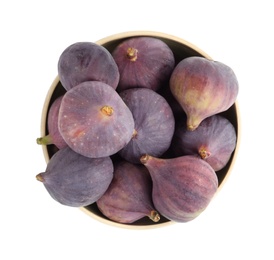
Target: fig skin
(53, 136)
(143, 62)
(182, 187)
(94, 121)
(177, 109)
(154, 124)
(128, 197)
(75, 180)
(87, 61)
(214, 140)
(203, 87)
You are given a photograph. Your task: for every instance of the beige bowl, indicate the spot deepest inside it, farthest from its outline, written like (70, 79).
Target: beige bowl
(181, 50)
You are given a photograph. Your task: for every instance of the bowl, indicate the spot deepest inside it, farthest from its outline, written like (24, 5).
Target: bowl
(181, 49)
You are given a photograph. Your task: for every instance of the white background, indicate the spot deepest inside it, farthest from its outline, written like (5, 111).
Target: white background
(238, 224)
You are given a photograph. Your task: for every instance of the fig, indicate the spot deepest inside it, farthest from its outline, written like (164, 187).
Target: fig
(214, 140)
(203, 88)
(75, 180)
(182, 187)
(177, 109)
(128, 197)
(87, 61)
(53, 136)
(154, 124)
(94, 121)
(143, 62)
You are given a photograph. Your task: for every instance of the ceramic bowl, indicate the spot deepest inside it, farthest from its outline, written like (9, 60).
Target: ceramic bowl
(181, 49)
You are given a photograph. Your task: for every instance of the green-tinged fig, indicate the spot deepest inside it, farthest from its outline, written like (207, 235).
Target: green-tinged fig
(214, 140)
(154, 124)
(94, 121)
(143, 62)
(128, 197)
(182, 187)
(203, 87)
(53, 136)
(87, 61)
(75, 180)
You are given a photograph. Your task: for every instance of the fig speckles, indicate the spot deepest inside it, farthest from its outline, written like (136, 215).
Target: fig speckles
(75, 180)
(144, 62)
(203, 88)
(85, 61)
(182, 186)
(214, 140)
(96, 122)
(128, 197)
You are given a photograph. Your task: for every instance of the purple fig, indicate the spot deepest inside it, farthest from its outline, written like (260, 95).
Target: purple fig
(53, 136)
(214, 140)
(177, 109)
(143, 62)
(203, 88)
(182, 187)
(154, 124)
(94, 121)
(75, 180)
(87, 61)
(128, 197)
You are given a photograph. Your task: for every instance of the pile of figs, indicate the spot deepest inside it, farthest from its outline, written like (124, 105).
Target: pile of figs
(137, 132)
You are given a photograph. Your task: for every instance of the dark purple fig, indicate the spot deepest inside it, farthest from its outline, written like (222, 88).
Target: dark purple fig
(154, 124)
(214, 140)
(53, 136)
(203, 88)
(87, 61)
(143, 62)
(182, 187)
(75, 180)
(128, 197)
(94, 121)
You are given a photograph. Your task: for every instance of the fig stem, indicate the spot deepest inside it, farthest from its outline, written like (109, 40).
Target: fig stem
(144, 158)
(204, 153)
(193, 121)
(39, 177)
(154, 216)
(45, 140)
(191, 127)
(107, 110)
(132, 54)
(134, 133)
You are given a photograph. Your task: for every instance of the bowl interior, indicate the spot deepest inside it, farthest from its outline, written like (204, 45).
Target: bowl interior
(181, 49)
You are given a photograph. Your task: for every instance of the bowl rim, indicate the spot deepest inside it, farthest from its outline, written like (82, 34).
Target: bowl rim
(120, 36)
(127, 34)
